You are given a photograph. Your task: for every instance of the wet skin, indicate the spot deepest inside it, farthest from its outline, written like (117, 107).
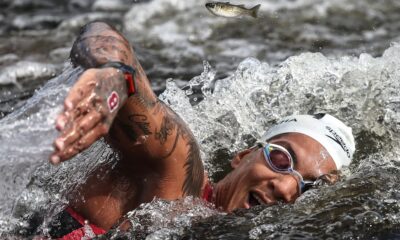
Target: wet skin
(159, 156)
(252, 178)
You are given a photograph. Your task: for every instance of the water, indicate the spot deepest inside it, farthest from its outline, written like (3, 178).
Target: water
(304, 56)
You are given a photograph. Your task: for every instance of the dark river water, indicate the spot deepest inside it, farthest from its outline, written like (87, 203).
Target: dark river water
(230, 79)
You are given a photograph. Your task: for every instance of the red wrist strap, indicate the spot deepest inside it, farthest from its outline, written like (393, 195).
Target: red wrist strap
(129, 74)
(130, 83)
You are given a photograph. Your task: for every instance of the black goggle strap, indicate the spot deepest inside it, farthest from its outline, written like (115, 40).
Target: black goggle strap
(129, 74)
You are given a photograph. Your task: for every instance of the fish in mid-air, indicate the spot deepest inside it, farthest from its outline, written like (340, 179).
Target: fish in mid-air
(225, 9)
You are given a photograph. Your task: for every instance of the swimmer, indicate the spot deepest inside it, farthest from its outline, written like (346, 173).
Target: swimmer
(159, 156)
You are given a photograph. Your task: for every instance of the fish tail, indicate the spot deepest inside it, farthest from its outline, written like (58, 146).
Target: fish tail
(254, 10)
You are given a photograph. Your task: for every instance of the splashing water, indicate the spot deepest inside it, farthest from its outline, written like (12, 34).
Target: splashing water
(234, 112)
(159, 218)
(25, 142)
(361, 91)
(227, 108)
(33, 190)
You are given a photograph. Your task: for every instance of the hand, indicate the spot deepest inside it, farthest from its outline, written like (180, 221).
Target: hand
(89, 110)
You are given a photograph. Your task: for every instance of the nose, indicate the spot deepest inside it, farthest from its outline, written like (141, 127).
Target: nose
(284, 188)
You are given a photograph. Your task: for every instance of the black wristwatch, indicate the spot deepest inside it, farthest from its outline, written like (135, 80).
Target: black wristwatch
(129, 73)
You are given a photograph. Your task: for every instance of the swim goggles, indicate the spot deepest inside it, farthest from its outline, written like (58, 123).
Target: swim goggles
(280, 160)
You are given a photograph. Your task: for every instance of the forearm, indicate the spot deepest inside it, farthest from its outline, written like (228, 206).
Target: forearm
(99, 43)
(142, 115)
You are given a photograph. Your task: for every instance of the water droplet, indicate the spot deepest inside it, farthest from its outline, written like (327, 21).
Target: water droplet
(189, 92)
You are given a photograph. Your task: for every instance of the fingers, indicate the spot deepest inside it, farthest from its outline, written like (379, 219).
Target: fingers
(81, 128)
(79, 145)
(77, 101)
(75, 126)
(87, 112)
(87, 105)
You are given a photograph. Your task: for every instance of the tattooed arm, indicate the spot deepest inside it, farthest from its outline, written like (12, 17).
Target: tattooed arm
(147, 133)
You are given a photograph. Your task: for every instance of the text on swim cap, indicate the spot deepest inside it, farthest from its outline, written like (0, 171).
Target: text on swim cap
(287, 120)
(338, 140)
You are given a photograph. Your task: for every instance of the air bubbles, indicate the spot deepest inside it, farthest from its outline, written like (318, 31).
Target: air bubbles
(88, 231)
(189, 92)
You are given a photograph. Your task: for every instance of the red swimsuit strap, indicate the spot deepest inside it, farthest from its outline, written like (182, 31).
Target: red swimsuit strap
(78, 233)
(207, 193)
(97, 230)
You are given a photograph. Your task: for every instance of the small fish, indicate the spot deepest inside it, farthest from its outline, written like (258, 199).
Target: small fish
(225, 9)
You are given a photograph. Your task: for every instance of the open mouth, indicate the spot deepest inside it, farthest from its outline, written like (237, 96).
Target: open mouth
(255, 200)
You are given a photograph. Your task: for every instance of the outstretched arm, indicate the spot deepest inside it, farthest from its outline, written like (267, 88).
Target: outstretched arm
(140, 126)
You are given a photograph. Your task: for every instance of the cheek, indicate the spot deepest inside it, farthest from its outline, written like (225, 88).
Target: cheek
(242, 175)
(253, 170)
(259, 173)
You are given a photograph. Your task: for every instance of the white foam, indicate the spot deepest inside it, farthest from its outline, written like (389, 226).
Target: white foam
(26, 70)
(358, 90)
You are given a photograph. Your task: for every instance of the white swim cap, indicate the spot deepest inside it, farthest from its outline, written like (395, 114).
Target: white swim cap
(330, 132)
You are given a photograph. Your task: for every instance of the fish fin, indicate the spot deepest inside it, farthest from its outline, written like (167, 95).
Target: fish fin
(254, 10)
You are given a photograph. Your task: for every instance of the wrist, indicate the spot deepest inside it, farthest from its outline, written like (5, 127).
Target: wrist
(128, 72)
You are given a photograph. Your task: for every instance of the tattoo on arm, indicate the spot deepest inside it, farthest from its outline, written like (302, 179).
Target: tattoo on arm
(194, 170)
(141, 122)
(144, 101)
(137, 126)
(105, 39)
(121, 52)
(193, 165)
(106, 45)
(167, 126)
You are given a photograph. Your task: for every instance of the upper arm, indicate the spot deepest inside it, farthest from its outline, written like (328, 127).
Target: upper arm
(160, 139)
